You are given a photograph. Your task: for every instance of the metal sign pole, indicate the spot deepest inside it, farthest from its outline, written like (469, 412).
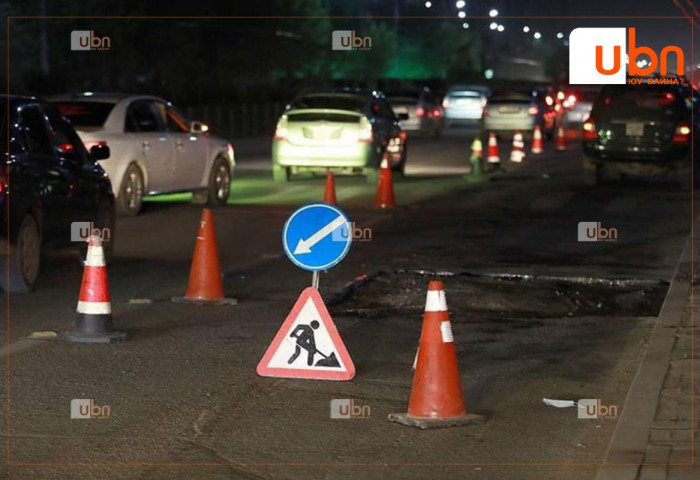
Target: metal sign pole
(315, 280)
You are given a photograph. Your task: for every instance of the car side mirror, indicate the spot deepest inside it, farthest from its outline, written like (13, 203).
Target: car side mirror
(99, 152)
(198, 127)
(402, 116)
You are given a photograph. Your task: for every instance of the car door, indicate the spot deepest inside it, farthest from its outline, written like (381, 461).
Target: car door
(79, 169)
(190, 149)
(146, 126)
(52, 172)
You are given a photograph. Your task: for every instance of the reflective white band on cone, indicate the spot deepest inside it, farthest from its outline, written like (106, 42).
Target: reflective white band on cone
(436, 301)
(95, 257)
(95, 308)
(446, 331)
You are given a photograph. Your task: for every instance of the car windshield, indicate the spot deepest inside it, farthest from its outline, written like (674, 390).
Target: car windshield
(465, 94)
(638, 97)
(333, 102)
(86, 114)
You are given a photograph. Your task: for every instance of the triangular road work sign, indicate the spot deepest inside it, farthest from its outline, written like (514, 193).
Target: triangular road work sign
(308, 344)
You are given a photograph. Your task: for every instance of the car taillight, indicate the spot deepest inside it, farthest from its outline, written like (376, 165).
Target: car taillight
(589, 130)
(533, 110)
(682, 133)
(419, 112)
(402, 135)
(3, 183)
(281, 130)
(365, 133)
(484, 112)
(65, 147)
(94, 143)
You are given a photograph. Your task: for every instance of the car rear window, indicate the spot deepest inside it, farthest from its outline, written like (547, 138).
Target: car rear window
(403, 99)
(327, 117)
(510, 96)
(636, 97)
(86, 114)
(333, 102)
(464, 94)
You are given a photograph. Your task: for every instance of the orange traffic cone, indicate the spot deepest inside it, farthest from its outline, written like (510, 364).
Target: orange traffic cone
(493, 155)
(436, 396)
(94, 322)
(385, 187)
(205, 286)
(561, 139)
(537, 144)
(329, 192)
(517, 151)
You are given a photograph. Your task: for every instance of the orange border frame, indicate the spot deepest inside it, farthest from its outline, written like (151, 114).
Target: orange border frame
(692, 260)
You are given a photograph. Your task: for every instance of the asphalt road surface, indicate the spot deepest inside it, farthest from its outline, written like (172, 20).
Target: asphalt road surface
(535, 314)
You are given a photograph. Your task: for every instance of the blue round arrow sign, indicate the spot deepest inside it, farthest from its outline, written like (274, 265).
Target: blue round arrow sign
(317, 236)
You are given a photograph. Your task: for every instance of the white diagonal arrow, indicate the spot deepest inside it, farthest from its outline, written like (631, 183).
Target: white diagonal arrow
(304, 246)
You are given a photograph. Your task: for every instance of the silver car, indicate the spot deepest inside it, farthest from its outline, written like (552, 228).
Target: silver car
(154, 149)
(463, 105)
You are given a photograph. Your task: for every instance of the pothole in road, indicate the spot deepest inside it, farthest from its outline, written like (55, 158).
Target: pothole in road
(501, 295)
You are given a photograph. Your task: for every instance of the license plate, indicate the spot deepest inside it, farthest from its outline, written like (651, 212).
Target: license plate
(634, 129)
(508, 109)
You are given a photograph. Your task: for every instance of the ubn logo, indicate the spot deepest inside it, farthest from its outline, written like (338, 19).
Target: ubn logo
(596, 56)
(358, 234)
(593, 408)
(594, 232)
(82, 231)
(347, 40)
(86, 409)
(346, 408)
(86, 40)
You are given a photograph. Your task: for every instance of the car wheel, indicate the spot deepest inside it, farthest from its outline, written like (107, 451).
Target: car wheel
(281, 174)
(219, 183)
(21, 269)
(130, 198)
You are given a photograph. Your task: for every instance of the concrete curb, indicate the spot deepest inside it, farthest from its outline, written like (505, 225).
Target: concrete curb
(629, 442)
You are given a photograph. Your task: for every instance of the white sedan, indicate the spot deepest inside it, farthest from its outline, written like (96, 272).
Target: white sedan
(154, 149)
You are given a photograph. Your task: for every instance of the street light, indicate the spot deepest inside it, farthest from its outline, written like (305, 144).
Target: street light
(428, 4)
(538, 35)
(465, 25)
(460, 4)
(493, 26)
(526, 29)
(501, 28)
(461, 14)
(560, 35)
(493, 12)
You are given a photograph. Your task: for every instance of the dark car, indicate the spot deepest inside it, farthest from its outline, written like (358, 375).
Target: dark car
(424, 115)
(48, 182)
(644, 129)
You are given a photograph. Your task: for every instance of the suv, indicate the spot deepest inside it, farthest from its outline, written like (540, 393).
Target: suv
(48, 181)
(642, 129)
(344, 132)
